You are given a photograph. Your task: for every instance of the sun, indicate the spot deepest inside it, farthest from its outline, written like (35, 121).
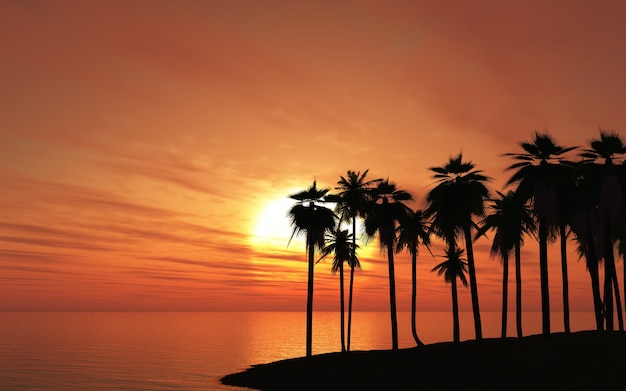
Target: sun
(272, 229)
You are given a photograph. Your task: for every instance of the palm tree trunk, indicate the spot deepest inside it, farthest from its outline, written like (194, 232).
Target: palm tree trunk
(472, 279)
(342, 309)
(543, 271)
(456, 328)
(350, 308)
(414, 298)
(563, 233)
(609, 269)
(518, 289)
(505, 292)
(349, 331)
(594, 274)
(309, 300)
(392, 299)
(618, 302)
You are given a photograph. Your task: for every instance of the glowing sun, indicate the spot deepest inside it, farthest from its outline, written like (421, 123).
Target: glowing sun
(272, 226)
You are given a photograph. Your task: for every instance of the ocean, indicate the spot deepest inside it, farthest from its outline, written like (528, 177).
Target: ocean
(58, 351)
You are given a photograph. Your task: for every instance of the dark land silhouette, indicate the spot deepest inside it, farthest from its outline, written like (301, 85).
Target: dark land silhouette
(585, 360)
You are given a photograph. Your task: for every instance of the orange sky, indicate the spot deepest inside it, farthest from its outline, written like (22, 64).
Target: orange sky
(144, 143)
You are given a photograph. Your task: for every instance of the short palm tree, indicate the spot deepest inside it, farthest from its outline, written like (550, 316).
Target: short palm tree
(354, 193)
(458, 198)
(314, 221)
(385, 211)
(512, 220)
(413, 231)
(340, 243)
(452, 268)
(538, 170)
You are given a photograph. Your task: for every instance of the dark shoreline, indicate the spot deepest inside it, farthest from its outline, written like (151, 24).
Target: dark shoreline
(585, 360)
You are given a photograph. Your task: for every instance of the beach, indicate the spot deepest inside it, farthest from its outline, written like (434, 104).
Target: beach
(585, 360)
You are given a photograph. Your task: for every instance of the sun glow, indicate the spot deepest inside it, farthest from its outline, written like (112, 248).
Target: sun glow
(272, 228)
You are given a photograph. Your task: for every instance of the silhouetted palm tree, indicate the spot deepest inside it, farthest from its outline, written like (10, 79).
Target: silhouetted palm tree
(340, 243)
(384, 212)
(352, 198)
(512, 220)
(314, 221)
(413, 230)
(610, 204)
(452, 268)
(585, 222)
(536, 177)
(459, 197)
(566, 199)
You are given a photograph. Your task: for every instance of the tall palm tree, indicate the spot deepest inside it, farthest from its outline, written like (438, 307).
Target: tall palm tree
(565, 187)
(458, 198)
(536, 177)
(585, 221)
(413, 230)
(354, 193)
(610, 204)
(385, 211)
(340, 243)
(314, 221)
(452, 268)
(511, 219)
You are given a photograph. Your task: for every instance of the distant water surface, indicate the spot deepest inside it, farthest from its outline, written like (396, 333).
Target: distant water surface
(192, 351)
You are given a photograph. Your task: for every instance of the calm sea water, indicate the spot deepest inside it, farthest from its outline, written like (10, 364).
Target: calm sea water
(192, 351)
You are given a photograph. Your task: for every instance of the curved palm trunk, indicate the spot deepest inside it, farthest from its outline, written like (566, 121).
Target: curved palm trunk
(309, 301)
(518, 289)
(472, 279)
(505, 292)
(414, 298)
(342, 309)
(392, 299)
(594, 274)
(610, 263)
(563, 233)
(543, 271)
(456, 328)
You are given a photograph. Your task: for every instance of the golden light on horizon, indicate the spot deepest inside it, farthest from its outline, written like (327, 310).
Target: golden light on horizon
(164, 164)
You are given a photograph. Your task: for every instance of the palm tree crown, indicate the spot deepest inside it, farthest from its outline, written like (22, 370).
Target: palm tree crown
(340, 243)
(459, 195)
(385, 210)
(309, 218)
(511, 220)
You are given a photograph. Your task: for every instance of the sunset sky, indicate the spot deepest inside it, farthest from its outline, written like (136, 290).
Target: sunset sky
(147, 147)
